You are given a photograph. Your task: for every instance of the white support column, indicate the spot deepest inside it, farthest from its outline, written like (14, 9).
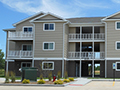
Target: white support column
(80, 51)
(105, 68)
(7, 66)
(33, 63)
(7, 47)
(80, 68)
(93, 68)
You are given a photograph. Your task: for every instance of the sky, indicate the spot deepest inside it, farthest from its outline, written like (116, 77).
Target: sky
(12, 11)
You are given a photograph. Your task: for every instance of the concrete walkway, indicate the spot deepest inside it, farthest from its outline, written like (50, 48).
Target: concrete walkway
(2, 80)
(80, 82)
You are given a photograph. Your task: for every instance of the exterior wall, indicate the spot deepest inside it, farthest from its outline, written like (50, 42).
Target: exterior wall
(102, 69)
(72, 30)
(57, 67)
(110, 70)
(102, 29)
(102, 46)
(112, 36)
(10, 66)
(72, 46)
(49, 17)
(115, 17)
(48, 36)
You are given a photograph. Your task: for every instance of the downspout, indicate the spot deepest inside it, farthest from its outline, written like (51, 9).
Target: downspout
(63, 49)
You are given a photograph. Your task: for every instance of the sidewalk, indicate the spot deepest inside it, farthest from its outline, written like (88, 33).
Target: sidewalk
(2, 80)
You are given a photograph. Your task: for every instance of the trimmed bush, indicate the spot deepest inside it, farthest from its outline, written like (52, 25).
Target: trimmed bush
(66, 75)
(58, 82)
(41, 82)
(58, 75)
(25, 81)
(66, 80)
(50, 76)
(71, 79)
(12, 77)
(7, 78)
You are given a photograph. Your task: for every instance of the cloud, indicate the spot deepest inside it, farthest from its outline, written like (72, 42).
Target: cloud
(116, 1)
(63, 8)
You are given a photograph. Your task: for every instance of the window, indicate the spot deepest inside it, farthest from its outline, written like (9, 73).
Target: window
(27, 29)
(25, 64)
(117, 24)
(48, 45)
(117, 45)
(26, 47)
(49, 27)
(48, 65)
(117, 66)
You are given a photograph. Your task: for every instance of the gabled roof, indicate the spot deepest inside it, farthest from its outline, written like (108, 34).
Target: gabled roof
(86, 20)
(46, 15)
(111, 15)
(28, 18)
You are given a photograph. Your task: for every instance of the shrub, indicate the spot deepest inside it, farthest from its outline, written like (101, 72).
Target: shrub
(58, 75)
(66, 80)
(66, 75)
(41, 76)
(50, 76)
(71, 79)
(7, 78)
(25, 81)
(12, 77)
(41, 82)
(58, 82)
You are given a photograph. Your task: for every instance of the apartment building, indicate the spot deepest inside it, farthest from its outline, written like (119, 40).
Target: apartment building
(53, 43)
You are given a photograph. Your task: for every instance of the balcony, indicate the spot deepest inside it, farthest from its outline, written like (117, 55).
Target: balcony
(86, 55)
(87, 36)
(20, 35)
(20, 54)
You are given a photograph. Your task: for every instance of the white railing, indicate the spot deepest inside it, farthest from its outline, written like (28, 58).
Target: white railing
(20, 35)
(86, 55)
(20, 54)
(87, 36)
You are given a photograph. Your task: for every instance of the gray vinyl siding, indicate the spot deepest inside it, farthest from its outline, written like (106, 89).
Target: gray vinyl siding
(115, 17)
(112, 36)
(48, 36)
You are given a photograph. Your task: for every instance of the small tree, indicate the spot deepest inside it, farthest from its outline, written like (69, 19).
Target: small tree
(66, 75)
(2, 61)
(7, 78)
(50, 76)
(12, 77)
(58, 75)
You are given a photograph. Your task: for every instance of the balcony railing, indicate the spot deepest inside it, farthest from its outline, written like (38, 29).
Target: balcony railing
(86, 55)
(20, 54)
(20, 35)
(87, 36)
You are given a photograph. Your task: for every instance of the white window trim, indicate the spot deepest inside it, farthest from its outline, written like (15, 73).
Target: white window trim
(49, 49)
(27, 44)
(116, 45)
(48, 29)
(47, 62)
(25, 62)
(27, 27)
(116, 25)
(116, 67)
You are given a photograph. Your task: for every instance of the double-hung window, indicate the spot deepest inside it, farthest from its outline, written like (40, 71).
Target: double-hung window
(48, 45)
(117, 25)
(117, 66)
(49, 26)
(26, 47)
(27, 29)
(48, 65)
(117, 45)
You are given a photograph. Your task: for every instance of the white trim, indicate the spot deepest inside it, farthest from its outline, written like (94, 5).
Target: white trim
(112, 20)
(21, 58)
(116, 66)
(48, 62)
(48, 29)
(113, 58)
(110, 15)
(49, 49)
(46, 15)
(39, 58)
(116, 25)
(50, 21)
(86, 40)
(27, 27)
(27, 18)
(116, 45)
(10, 60)
(26, 63)
(27, 44)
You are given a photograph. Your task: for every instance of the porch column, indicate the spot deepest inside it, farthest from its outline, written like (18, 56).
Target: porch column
(80, 68)
(105, 68)
(7, 66)
(33, 63)
(93, 68)
(7, 46)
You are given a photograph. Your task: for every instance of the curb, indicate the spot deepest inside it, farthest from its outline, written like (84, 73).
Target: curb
(104, 80)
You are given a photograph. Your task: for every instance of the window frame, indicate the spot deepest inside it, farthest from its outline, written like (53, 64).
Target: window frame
(49, 49)
(116, 45)
(116, 67)
(47, 62)
(27, 27)
(116, 25)
(48, 29)
(27, 44)
(26, 63)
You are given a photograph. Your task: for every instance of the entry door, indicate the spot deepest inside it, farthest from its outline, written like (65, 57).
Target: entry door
(77, 69)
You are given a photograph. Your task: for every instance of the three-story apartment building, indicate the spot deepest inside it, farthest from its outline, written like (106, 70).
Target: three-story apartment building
(55, 44)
